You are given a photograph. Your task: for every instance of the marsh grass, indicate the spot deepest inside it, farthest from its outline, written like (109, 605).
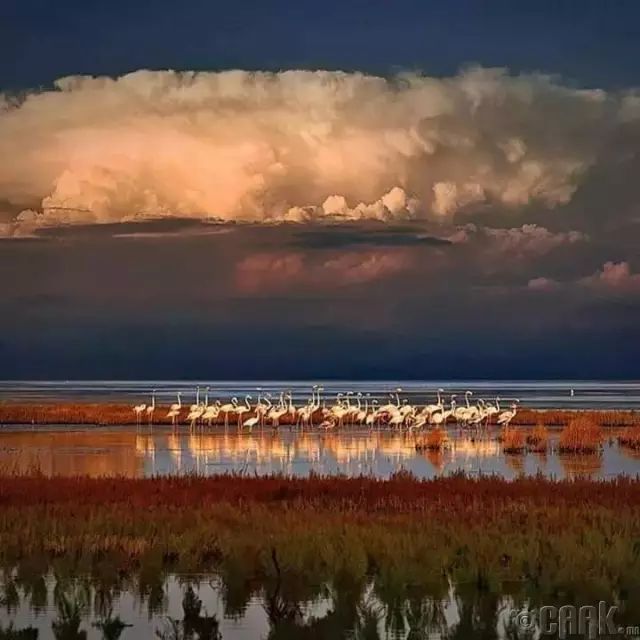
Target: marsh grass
(630, 437)
(11, 633)
(513, 440)
(562, 417)
(538, 439)
(397, 529)
(581, 435)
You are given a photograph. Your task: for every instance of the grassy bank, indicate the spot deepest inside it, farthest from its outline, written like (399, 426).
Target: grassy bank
(548, 535)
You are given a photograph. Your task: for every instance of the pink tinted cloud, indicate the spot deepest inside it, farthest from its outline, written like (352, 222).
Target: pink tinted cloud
(543, 284)
(278, 270)
(526, 240)
(615, 276)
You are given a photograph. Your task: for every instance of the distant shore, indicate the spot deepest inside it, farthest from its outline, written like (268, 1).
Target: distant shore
(110, 414)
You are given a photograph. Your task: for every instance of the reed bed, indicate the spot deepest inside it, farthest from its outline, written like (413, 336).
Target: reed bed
(562, 417)
(538, 439)
(630, 438)
(581, 435)
(514, 440)
(482, 529)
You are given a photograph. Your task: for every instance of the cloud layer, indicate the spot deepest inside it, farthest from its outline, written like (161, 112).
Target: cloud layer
(277, 271)
(296, 146)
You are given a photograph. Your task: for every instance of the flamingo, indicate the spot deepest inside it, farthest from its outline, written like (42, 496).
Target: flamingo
(371, 417)
(211, 412)
(317, 404)
(396, 420)
(194, 414)
(275, 413)
(227, 409)
(139, 409)
(151, 408)
(507, 416)
(174, 410)
(440, 417)
(462, 412)
(492, 409)
(353, 410)
(193, 407)
(262, 408)
(242, 409)
(251, 422)
(290, 408)
(465, 414)
(339, 411)
(305, 413)
(430, 408)
(327, 424)
(362, 414)
(197, 410)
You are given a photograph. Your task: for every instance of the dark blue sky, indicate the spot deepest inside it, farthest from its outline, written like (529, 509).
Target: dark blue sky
(590, 42)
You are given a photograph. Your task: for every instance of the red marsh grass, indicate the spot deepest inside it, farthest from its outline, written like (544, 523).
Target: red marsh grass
(562, 417)
(630, 437)
(538, 439)
(513, 440)
(581, 435)
(552, 533)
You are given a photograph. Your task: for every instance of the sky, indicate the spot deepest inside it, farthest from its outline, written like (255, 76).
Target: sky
(361, 190)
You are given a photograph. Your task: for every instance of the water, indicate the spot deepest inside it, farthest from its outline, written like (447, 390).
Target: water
(124, 451)
(535, 394)
(261, 609)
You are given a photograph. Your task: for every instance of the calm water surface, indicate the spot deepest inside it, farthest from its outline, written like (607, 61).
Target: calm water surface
(533, 393)
(127, 452)
(171, 606)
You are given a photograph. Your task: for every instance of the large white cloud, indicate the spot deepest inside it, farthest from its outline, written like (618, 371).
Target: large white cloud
(296, 145)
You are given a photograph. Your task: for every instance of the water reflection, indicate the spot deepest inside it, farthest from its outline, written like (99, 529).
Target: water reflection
(122, 451)
(577, 466)
(276, 607)
(94, 452)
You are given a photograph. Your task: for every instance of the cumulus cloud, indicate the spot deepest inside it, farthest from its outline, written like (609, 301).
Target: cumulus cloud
(296, 146)
(615, 276)
(280, 270)
(527, 240)
(543, 284)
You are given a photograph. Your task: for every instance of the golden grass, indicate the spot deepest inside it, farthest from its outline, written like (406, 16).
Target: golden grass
(581, 435)
(630, 437)
(513, 440)
(562, 417)
(538, 439)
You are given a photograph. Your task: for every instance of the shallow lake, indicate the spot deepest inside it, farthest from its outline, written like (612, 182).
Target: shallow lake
(127, 452)
(535, 394)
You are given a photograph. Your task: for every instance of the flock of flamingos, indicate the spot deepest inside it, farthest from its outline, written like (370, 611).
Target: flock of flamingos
(348, 409)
